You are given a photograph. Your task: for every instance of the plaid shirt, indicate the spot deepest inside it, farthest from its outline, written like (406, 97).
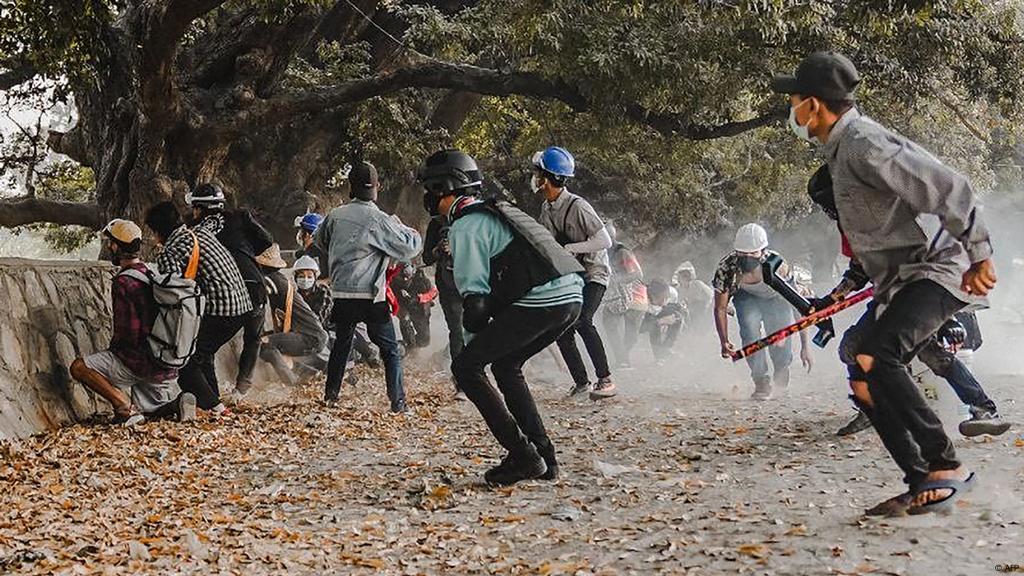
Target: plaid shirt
(218, 277)
(134, 313)
(320, 302)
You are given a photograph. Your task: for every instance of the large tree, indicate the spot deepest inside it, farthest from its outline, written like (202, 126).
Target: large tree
(666, 102)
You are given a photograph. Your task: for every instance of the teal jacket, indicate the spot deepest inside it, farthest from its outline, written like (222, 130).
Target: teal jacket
(475, 239)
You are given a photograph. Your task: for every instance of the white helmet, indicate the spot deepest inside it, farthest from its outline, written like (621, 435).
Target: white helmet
(307, 263)
(750, 238)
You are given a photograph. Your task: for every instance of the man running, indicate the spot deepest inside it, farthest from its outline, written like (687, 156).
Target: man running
(577, 227)
(917, 230)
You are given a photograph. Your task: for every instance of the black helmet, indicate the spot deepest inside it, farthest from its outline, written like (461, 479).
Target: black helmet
(819, 188)
(448, 171)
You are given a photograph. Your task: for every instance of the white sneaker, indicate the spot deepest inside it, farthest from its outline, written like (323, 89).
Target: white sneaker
(604, 388)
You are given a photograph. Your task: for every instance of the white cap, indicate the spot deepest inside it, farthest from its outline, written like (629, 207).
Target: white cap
(307, 263)
(750, 238)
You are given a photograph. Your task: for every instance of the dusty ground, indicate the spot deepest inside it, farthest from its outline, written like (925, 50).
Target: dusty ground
(679, 475)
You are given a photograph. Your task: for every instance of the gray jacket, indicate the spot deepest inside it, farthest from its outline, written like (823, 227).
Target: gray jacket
(360, 240)
(907, 216)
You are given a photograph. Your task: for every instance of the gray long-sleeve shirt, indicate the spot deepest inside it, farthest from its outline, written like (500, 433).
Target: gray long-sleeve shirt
(907, 216)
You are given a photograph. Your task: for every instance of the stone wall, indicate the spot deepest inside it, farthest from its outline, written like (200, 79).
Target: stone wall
(52, 311)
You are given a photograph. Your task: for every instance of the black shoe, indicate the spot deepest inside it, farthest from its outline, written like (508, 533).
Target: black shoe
(513, 469)
(859, 423)
(983, 422)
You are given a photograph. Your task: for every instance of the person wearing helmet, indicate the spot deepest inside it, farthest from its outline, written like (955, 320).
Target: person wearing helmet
(698, 297)
(938, 354)
(577, 227)
(228, 305)
(299, 333)
(306, 226)
(918, 230)
(520, 290)
(306, 272)
(245, 238)
(126, 374)
(361, 241)
(760, 310)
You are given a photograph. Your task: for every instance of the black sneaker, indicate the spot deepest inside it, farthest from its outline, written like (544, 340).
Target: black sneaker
(860, 423)
(513, 469)
(579, 389)
(549, 460)
(983, 421)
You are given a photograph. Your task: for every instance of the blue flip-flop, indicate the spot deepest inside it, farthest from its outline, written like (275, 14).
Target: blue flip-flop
(945, 505)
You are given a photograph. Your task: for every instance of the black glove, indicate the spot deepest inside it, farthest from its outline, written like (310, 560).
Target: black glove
(952, 333)
(476, 312)
(820, 304)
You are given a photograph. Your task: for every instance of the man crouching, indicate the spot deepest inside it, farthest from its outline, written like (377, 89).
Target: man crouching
(521, 291)
(126, 374)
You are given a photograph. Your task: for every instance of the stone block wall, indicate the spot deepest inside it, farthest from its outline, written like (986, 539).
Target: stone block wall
(50, 312)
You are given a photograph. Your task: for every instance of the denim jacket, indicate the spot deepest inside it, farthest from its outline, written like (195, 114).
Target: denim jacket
(360, 240)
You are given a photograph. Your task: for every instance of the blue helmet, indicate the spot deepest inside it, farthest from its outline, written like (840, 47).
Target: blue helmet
(556, 161)
(310, 222)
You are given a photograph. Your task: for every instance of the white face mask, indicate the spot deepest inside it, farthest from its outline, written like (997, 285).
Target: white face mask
(535, 183)
(305, 282)
(801, 131)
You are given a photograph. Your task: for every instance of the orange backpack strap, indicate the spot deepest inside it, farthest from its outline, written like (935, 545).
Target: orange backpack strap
(193, 261)
(288, 301)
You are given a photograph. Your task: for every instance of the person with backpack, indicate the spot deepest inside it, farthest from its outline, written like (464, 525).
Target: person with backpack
(626, 302)
(126, 374)
(576, 226)
(521, 291)
(361, 241)
(219, 280)
(245, 238)
(299, 332)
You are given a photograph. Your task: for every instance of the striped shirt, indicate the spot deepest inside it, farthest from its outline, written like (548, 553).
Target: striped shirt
(218, 277)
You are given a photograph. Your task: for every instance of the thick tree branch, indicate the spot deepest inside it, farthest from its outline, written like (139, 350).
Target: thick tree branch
(467, 78)
(160, 28)
(21, 211)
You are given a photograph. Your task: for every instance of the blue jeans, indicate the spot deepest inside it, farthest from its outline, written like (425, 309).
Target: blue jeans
(346, 314)
(753, 313)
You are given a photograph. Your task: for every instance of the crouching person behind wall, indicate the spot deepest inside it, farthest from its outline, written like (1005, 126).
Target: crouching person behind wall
(126, 374)
(521, 292)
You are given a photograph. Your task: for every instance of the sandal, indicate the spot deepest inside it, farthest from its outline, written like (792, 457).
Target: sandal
(895, 506)
(944, 505)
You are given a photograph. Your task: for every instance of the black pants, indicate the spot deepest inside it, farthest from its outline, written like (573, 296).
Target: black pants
(251, 332)
(592, 295)
(663, 338)
(199, 375)
(909, 429)
(451, 307)
(377, 316)
(513, 337)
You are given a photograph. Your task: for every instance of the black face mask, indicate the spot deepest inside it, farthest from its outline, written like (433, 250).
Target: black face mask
(748, 263)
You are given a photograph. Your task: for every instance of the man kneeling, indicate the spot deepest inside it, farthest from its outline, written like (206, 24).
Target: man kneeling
(521, 291)
(126, 374)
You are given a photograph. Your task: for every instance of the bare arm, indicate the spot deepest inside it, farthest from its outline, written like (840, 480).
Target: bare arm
(722, 320)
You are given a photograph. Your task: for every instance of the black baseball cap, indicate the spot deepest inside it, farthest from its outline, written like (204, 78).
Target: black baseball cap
(363, 176)
(827, 75)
